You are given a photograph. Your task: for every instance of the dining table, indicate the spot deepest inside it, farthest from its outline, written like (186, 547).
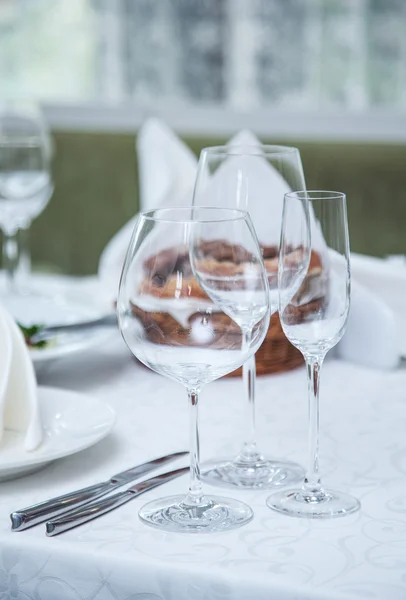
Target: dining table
(274, 557)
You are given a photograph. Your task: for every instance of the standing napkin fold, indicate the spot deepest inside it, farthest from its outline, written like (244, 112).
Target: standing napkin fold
(168, 170)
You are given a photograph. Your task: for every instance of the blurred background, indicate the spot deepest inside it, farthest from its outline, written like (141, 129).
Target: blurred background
(328, 76)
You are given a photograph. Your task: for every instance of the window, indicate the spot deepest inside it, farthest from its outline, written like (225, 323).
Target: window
(238, 55)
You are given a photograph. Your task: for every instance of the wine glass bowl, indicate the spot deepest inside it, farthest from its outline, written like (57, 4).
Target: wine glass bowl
(183, 315)
(25, 181)
(180, 304)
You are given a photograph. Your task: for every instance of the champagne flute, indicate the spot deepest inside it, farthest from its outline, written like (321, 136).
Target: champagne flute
(253, 178)
(190, 333)
(314, 300)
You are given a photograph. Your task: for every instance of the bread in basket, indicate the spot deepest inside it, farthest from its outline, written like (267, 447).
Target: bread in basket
(163, 282)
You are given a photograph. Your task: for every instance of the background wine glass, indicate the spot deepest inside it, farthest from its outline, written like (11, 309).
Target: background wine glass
(252, 178)
(313, 309)
(172, 326)
(25, 184)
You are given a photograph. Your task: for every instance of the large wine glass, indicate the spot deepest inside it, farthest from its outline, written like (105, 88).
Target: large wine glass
(25, 184)
(193, 319)
(253, 178)
(314, 300)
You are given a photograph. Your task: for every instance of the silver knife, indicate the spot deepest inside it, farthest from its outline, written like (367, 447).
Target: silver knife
(38, 513)
(92, 510)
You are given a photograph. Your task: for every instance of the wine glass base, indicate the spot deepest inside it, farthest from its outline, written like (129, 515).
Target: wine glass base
(257, 474)
(216, 514)
(326, 506)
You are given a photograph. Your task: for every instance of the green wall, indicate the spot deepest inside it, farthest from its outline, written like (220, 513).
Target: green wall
(96, 192)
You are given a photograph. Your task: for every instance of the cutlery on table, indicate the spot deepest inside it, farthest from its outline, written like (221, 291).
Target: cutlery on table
(41, 512)
(46, 332)
(93, 510)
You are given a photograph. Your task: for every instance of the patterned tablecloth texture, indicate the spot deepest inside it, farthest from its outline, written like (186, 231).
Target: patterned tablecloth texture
(275, 557)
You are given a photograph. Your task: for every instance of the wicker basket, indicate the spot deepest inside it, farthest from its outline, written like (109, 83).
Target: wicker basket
(276, 353)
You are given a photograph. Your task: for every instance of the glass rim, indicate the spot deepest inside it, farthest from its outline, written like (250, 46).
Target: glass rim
(153, 214)
(312, 195)
(250, 150)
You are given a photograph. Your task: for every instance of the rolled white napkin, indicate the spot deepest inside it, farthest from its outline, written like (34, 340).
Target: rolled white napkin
(167, 170)
(19, 408)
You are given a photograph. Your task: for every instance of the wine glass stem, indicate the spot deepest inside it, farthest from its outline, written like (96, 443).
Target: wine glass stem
(24, 256)
(195, 495)
(249, 450)
(10, 256)
(249, 453)
(312, 484)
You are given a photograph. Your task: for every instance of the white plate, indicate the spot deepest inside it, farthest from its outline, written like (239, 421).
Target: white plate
(62, 300)
(72, 422)
(70, 344)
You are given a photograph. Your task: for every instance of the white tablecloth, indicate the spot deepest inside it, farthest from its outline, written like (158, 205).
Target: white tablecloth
(275, 557)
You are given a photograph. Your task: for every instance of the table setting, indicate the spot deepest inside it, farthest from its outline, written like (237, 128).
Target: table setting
(232, 293)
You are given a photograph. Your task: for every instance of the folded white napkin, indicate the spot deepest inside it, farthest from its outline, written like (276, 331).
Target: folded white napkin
(372, 336)
(167, 170)
(167, 173)
(386, 279)
(19, 409)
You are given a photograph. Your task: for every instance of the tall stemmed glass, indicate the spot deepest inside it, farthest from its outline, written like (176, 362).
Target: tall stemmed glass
(25, 182)
(185, 316)
(313, 308)
(253, 178)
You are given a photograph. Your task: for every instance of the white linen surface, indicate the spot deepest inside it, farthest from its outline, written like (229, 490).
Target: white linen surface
(275, 557)
(168, 169)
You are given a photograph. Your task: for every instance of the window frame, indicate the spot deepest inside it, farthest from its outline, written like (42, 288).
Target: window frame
(214, 121)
